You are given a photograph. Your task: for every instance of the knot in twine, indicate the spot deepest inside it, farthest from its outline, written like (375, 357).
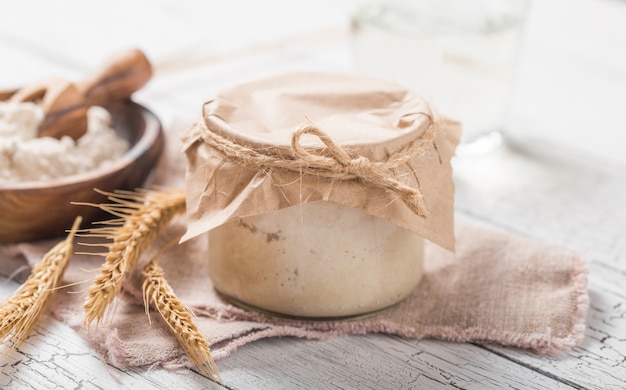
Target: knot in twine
(333, 161)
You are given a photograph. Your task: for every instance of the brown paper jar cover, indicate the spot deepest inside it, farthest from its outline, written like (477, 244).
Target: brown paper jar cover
(364, 116)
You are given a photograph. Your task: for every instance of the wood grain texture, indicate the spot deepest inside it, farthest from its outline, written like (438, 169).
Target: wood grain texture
(57, 357)
(65, 103)
(375, 362)
(556, 198)
(571, 203)
(121, 75)
(33, 210)
(62, 103)
(600, 362)
(553, 198)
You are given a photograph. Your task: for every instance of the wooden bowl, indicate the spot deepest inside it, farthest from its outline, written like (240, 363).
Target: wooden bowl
(39, 210)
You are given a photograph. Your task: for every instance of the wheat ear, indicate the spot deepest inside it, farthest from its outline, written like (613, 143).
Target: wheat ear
(20, 312)
(142, 215)
(179, 318)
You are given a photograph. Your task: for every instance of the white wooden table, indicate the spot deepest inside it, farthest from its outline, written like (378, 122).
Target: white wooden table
(571, 190)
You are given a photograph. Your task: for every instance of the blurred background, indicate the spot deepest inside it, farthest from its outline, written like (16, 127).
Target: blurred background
(567, 96)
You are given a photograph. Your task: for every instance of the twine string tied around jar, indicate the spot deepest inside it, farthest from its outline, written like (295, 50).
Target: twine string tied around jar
(333, 161)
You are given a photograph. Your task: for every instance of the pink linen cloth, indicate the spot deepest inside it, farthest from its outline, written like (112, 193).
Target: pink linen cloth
(497, 288)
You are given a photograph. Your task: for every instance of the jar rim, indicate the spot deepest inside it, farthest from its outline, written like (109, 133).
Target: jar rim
(354, 111)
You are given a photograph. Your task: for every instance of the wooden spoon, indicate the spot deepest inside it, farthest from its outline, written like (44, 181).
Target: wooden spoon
(65, 104)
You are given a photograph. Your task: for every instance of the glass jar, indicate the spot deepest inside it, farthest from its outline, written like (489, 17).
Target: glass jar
(317, 191)
(317, 259)
(460, 55)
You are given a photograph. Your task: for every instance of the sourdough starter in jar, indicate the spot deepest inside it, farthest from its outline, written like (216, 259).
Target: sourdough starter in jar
(317, 259)
(317, 191)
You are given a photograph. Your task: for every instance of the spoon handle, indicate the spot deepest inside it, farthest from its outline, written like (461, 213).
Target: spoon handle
(6, 94)
(117, 79)
(65, 104)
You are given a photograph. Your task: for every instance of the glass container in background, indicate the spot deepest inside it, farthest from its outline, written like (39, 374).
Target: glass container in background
(460, 55)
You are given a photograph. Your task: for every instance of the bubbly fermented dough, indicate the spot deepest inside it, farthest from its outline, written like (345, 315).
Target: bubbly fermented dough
(318, 259)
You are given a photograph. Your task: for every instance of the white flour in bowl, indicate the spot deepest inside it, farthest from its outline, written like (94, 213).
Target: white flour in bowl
(25, 157)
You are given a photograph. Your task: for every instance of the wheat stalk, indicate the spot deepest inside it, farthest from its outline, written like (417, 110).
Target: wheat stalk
(179, 318)
(142, 215)
(20, 312)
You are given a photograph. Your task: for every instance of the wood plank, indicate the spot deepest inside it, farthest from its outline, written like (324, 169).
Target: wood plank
(56, 356)
(165, 29)
(557, 201)
(555, 198)
(20, 66)
(568, 202)
(600, 362)
(374, 362)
